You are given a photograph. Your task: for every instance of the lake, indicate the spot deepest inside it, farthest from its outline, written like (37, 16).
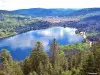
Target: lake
(21, 45)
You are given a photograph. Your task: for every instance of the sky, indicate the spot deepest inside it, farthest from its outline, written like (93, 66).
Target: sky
(25, 4)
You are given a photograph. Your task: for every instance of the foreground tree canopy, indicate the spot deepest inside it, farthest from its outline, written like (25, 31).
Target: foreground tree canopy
(62, 61)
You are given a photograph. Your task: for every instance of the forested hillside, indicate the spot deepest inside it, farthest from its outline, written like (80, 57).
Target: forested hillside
(86, 19)
(14, 22)
(10, 23)
(78, 59)
(40, 12)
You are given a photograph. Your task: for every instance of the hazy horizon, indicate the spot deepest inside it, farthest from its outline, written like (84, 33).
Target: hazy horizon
(47, 8)
(47, 4)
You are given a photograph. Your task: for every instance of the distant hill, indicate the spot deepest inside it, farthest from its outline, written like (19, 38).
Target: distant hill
(85, 11)
(40, 12)
(23, 20)
(9, 21)
(6, 12)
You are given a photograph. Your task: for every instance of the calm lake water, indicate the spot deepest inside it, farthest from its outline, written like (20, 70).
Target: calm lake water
(21, 45)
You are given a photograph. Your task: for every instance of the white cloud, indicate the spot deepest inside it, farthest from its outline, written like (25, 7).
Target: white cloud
(29, 39)
(21, 4)
(51, 32)
(19, 41)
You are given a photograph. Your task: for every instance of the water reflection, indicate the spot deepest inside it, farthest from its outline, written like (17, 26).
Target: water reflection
(21, 45)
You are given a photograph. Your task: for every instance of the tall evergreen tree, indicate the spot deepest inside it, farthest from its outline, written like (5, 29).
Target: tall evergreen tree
(7, 62)
(92, 63)
(88, 65)
(26, 66)
(9, 67)
(96, 53)
(39, 59)
(55, 52)
(56, 58)
(17, 70)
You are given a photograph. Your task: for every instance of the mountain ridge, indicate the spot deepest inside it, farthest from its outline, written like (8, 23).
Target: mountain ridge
(41, 12)
(44, 12)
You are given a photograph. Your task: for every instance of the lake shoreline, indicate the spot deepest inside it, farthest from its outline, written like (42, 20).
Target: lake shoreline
(17, 44)
(29, 31)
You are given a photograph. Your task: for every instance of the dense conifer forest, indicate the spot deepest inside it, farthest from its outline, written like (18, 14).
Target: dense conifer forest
(76, 59)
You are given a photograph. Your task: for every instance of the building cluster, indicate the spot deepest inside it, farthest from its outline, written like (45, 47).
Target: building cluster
(85, 37)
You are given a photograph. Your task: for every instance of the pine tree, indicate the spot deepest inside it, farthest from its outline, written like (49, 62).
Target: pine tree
(26, 66)
(55, 52)
(17, 69)
(55, 58)
(96, 53)
(9, 67)
(39, 59)
(7, 63)
(88, 65)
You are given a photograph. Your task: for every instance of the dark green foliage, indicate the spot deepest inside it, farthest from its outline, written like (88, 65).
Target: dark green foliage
(26, 66)
(78, 46)
(33, 73)
(56, 62)
(71, 62)
(9, 67)
(6, 62)
(38, 57)
(12, 24)
(89, 65)
(55, 53)
(92, 62)
(17, 69)
(37, 61)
